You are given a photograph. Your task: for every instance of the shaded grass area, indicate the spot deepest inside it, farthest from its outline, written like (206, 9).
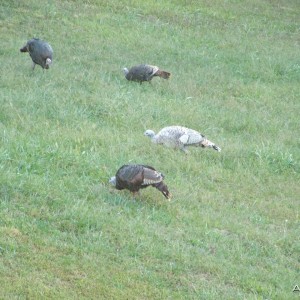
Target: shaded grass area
(231, 230)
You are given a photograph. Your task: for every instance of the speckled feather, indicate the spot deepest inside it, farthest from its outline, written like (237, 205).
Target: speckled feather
(180, 137)
(134, 177)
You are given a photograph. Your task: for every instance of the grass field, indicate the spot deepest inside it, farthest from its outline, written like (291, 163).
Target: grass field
(231, 230)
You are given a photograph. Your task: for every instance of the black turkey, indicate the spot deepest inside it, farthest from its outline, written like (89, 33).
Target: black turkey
(142, 73)
(136, 177)
(40, 52)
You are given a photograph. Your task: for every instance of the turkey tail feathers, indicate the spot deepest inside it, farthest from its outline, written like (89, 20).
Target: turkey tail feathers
(163, 74)
(209, 144)
(216, 148)
(24, 49)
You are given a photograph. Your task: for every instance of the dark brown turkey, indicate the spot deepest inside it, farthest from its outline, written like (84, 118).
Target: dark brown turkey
(136, 177)
(142, 73)
(40, 52)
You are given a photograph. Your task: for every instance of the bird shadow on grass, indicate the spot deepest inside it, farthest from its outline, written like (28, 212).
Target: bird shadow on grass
(127, 199)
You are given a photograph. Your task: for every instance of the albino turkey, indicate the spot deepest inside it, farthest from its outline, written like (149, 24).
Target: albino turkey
(180, 137)
(136, 177)
(142, 73)
(40, 52)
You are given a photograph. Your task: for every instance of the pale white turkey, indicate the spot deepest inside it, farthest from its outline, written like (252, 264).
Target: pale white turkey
(135, 177)
(180, 137)
(40, 52)
(144, 72)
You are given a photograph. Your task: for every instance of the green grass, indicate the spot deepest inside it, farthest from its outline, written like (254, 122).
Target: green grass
(231, 230)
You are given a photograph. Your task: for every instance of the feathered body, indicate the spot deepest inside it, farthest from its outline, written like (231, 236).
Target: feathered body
(144, 72)
(180, 137)
(135, 177)
(40, 52)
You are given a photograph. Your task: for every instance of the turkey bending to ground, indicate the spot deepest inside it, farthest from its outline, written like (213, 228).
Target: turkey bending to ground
(135, 177)
(40, 52)
(180, 137)
(142, 73)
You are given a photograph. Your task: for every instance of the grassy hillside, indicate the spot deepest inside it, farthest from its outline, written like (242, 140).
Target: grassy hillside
(231, 230)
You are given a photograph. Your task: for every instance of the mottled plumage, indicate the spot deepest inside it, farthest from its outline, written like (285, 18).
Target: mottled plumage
(40, 52)
(135, 177)
(180, 137)
(144, 72)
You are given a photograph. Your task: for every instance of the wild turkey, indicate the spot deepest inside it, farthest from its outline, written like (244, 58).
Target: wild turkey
(180, 137)
(135, 177)
(40, 52)
(142, 73)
